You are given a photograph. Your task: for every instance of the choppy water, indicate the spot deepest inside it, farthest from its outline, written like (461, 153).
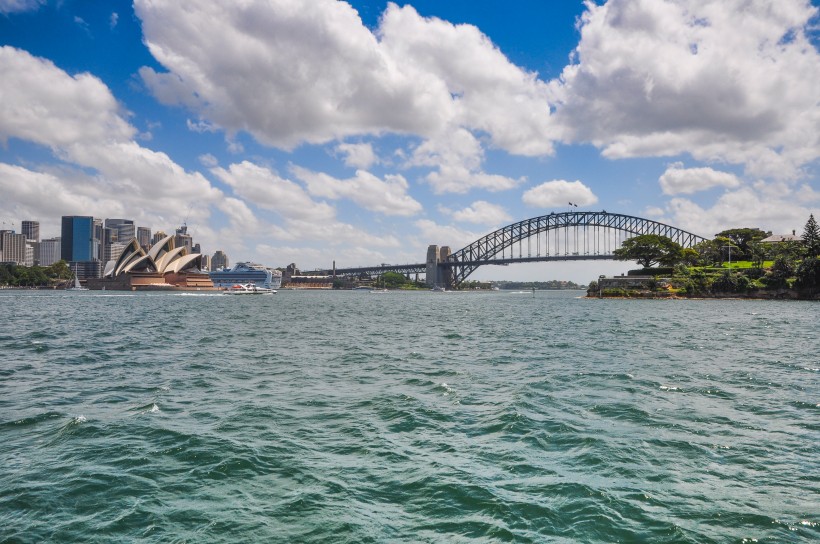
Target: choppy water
(407, 417)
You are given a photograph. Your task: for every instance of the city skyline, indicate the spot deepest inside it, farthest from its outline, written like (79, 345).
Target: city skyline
(364, 131)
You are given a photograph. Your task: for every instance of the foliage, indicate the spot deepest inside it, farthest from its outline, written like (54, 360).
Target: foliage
(34, 276)
(649, 249)
(811, 237)
(741, 239)
(808, 273)
(392, 280)
(713, 252)
(782, 269)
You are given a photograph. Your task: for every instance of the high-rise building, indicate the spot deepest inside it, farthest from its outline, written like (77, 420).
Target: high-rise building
(77, 235)
(183, 239)
(49, 251)
(206, 262)
(114, 251)
(125, 229)
(13, 247)
(97, 239)
(144, 237)
(159, 235)
(31, 230)
(219, 260)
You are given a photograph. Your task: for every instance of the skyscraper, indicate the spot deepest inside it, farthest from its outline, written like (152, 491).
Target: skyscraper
(77, 235)
(125, 229)
(49, 251)
(31, 230)
(183, 239)
(219, 260)
(144, 237)
(13, 247)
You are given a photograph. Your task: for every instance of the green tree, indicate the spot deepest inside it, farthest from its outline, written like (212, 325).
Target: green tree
(649, 249)
(392, 280)
(741, 238)
(811, 237)
(808, 273)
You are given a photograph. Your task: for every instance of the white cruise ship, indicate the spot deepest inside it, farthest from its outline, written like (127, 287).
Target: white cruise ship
(245, 273)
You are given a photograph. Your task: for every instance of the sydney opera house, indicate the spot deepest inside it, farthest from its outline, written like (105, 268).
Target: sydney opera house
(162, 267)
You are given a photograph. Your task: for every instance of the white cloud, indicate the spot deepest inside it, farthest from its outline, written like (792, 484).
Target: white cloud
(45, 105)
(20, 6)
(559, 192)
(358, 155)
(269, 191)
(445, 235)
(313, 73)
(457, 157)
(769, 206)
(208, 160)
(113, 20)
(678, 180)
(303, 218)
(482, 213)
(729, 80)
(79, 120)
(388, 196)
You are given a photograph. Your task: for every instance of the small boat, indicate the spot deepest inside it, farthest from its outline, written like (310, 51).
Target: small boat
(77, 286)
(248, 289)
(438, 288)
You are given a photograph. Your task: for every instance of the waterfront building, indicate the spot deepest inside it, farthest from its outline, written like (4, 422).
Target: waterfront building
(162, 267)
(183, 239)
(80, 248)
(77, 235)
(206, 262)
(219, 260)
(245, 273)
(13, 247)
(114, 250)
(144, 237)
(97, 241)
(49, 251)
(31, 230)
(125, 229)
(158, 236)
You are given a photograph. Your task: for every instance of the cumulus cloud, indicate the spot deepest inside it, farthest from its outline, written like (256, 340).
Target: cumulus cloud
(770, 206)
(559, 192)
(313, 73)
(445, 235)
(303, 218)
(388, 196)
(729, 80)
(678, 180)
(78, 118)
(482, 213)
(358, 155)
(457, 159)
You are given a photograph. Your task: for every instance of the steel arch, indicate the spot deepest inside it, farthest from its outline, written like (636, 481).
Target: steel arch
(464, 261)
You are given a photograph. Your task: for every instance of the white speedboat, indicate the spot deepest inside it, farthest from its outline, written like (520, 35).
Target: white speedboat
(248, 289)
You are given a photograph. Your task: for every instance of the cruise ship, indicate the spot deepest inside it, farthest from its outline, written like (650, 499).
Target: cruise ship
(245, 273)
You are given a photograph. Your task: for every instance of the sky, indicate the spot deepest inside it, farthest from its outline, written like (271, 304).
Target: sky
(308, 131)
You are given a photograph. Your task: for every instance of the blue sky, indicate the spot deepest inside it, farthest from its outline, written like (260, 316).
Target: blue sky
(290, 131)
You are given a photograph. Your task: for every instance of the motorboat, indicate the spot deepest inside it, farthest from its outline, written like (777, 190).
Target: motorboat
(248, 289)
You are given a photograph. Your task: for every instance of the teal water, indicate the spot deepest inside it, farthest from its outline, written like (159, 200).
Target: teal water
(407, 417)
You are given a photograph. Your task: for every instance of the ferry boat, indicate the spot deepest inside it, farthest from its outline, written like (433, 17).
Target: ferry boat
(248, 289)
(247, 273)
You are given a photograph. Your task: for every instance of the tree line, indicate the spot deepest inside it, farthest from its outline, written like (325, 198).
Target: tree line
(785, 264)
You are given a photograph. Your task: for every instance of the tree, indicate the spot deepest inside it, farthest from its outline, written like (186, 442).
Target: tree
(392, 280)
(741, 238)
(808, 273)
(811, 237)
(649, 249)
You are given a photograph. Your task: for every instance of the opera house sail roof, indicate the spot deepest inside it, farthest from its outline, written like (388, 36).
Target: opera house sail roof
(163, 265)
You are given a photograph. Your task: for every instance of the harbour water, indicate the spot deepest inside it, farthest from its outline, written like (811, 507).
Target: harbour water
(407, 417)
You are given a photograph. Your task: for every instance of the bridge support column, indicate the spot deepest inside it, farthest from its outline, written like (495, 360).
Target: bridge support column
(432, 266)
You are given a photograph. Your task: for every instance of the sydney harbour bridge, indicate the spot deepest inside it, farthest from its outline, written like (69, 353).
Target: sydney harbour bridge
(566, 236)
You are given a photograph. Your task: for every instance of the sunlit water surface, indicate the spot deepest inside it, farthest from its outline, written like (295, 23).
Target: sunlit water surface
(407, 417)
